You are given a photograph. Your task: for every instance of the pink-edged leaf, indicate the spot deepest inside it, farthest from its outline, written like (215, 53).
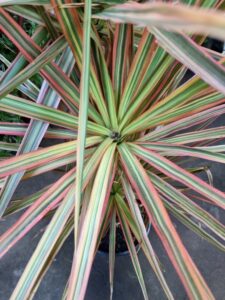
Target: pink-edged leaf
(48, 201)
(179, 174)
(132, 250)
(145, 242)
(192, 56)
(85, 251)
(192, 280)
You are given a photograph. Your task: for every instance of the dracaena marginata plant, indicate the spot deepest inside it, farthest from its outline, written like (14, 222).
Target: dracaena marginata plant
(111, 95)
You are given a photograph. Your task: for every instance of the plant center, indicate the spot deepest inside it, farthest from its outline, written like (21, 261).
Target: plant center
(115, 136)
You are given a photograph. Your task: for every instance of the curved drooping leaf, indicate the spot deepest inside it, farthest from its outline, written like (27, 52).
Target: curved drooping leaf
(186, 51)
(177, 17)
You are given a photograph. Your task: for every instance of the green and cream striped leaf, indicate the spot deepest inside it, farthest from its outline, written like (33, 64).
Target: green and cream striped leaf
(145, 242)
(167, 149)
(190, 224)
(151, 119)
(106, 82)
(57, 164)
(57, 79)
(139, 230)
(44, 113)
(187, 271)
(9, 146)
(36, 128)
(44, 248)
(112, 250)
(28, 88)
(57, 247)
(37, 211)
(47, 243)
(197, 136)
(19, 129)
(132, 250)
(83, 113)
(122, 56)
(20, 204)
(39, 157)
(179, 174)
(177, 17)
(184, 123)
(147, 90)
(44, 58)
(40, 36)
(138, 67)
(71, 26)
(187, 205)
(89, 233)
(189, 54)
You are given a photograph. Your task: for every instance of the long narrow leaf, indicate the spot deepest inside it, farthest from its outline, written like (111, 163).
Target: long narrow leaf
(38, 63)
(49, 239)
(180, 174)
(187, 52)
(189, 275)
(83, 113)
(133, 252)
(112, 250)
(167, 149)
(71, 26)
(36, 212)
(44, 113)
(52, 73)
(177, 17)
(44, 248)
(88, 238)
(184, 123)
(188, 206)
(145, 242)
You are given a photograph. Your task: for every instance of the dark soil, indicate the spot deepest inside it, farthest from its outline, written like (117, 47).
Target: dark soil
(121, 245)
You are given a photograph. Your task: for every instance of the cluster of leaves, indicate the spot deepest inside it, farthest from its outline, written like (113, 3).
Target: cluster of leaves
(8, 53)
(112, 91)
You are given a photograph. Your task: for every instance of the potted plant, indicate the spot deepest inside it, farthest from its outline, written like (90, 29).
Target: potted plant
(111, 97)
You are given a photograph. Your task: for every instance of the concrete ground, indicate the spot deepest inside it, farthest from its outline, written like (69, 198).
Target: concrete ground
(210, 261)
